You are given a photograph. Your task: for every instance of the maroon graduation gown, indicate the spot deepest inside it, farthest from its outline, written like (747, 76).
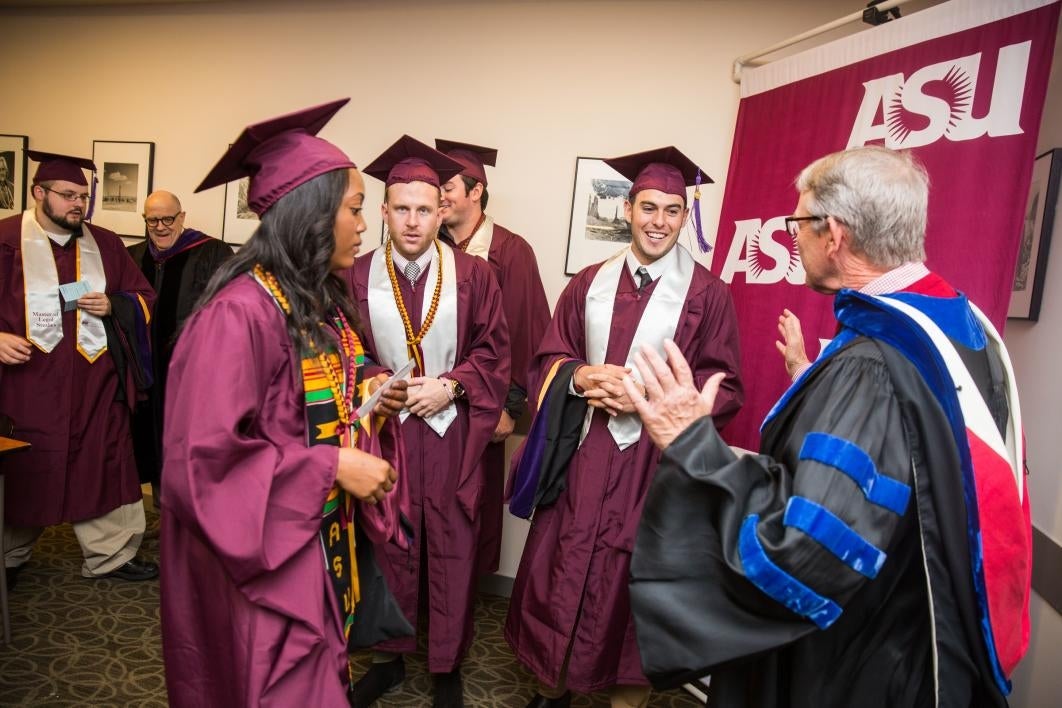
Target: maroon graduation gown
(445, 518)
(571, 587)
(81, 465)
(513, 262)
(248, 617)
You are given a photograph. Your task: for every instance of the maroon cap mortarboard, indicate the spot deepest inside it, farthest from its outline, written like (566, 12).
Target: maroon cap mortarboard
(473, 157)
(665, 169)
(64, 167)
(280, 154)
(668, 170)
(410, 160)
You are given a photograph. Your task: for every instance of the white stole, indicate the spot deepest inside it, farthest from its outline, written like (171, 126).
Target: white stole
(44, 313)
(659, 322)
(479, 242)
(439, 345)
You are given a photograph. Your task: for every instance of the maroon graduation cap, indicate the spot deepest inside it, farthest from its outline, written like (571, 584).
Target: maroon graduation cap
(409, 160)
(473, 157)
(669, 171)
(280, 154)
(60, 167)
(67, 168)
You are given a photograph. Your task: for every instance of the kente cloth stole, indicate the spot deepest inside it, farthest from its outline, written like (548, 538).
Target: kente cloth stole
(323, 427)
(438, 348)
(44, 311)
(659, 322)
(479, 242)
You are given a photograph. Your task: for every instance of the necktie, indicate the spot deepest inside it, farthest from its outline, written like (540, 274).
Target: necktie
(643, 277)
(412, 270)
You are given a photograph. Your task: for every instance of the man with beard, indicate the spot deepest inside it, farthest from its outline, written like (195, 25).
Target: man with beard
(467, 227)
(420, 299)
(74, 311)
(178, 262)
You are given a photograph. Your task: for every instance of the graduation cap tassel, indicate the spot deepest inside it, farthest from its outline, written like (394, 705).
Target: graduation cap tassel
(92, 198)
(701, 243)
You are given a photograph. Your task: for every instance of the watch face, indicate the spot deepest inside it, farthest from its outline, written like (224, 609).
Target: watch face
(459, 390)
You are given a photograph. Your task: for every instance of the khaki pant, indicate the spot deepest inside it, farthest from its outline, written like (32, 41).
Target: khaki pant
(107, 542)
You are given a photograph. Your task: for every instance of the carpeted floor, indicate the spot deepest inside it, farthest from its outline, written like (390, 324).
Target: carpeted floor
(78, 642)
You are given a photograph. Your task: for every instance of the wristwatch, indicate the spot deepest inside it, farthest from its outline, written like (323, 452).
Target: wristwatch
(457, 389)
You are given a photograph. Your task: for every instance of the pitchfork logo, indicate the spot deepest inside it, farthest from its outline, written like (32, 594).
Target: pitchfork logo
(937, 102)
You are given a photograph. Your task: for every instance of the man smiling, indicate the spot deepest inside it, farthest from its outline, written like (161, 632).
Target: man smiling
(569, 616)
(178, 262)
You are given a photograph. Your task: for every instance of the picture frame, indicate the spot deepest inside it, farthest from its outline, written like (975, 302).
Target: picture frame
(238, 222)
(125, 170)
(597, 228)
(12, 174)
(1030, 270)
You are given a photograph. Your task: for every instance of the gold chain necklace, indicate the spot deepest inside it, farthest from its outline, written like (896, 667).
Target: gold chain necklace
(412, 340)
(347, 338)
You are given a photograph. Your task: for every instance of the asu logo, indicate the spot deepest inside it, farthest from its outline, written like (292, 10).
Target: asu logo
(936, 102)
(770, 254)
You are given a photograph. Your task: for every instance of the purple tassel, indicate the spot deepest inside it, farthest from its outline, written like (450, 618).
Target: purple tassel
(701, 243)
(92, 198)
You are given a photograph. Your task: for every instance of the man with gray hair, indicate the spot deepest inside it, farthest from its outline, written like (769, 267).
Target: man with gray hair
(877, 551)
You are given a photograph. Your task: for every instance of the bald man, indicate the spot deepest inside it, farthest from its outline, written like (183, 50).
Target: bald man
(178, 262)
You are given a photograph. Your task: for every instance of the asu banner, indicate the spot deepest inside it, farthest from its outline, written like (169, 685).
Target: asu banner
(961, 85)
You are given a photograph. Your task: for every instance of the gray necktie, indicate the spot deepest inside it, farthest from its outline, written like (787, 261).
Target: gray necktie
(643, 277)
(412, 270)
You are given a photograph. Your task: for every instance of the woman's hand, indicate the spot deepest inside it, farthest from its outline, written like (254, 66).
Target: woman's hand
(366, 476)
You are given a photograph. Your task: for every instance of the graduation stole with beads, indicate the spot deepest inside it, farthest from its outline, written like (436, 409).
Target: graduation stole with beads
(332, 395)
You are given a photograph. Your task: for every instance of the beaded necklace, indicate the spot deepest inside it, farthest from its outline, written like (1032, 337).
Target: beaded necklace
(348, 340)
(464, 244)
(413, 340)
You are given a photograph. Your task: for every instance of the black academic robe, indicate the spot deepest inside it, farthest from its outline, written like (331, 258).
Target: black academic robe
(179, 279)
(895, 625)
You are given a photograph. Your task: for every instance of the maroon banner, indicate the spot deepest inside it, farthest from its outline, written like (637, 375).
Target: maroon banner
(968, 104)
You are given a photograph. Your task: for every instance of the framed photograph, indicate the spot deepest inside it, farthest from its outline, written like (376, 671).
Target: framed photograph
(124, 170)
(1031, 268)
(598, 227)
(239, 222)
(12, 175)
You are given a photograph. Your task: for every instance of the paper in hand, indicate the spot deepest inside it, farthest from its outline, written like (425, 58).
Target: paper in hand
(71, 292)
(370, 403)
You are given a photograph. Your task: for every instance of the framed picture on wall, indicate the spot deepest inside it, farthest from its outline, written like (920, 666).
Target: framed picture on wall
(12, 174)
(239, 222)
(598, 227)
(1031, 268)
(124, 170)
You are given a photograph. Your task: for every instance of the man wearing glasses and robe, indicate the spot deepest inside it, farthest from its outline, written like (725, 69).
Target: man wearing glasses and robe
(178, 262)
(74, 311)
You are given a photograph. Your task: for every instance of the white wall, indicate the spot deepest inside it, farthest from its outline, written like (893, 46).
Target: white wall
(542, 81)
(1034, 349)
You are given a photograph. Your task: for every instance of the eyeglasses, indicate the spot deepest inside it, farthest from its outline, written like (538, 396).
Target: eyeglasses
(68, 196)
(792, 223)
(164, 220)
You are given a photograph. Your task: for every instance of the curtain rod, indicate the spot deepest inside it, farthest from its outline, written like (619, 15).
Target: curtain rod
(743, 61)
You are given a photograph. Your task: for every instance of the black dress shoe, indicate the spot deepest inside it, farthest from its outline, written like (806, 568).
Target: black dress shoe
(540, 701)
(379, 679)
(134, 570)
(449, 692)
(11, 576)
